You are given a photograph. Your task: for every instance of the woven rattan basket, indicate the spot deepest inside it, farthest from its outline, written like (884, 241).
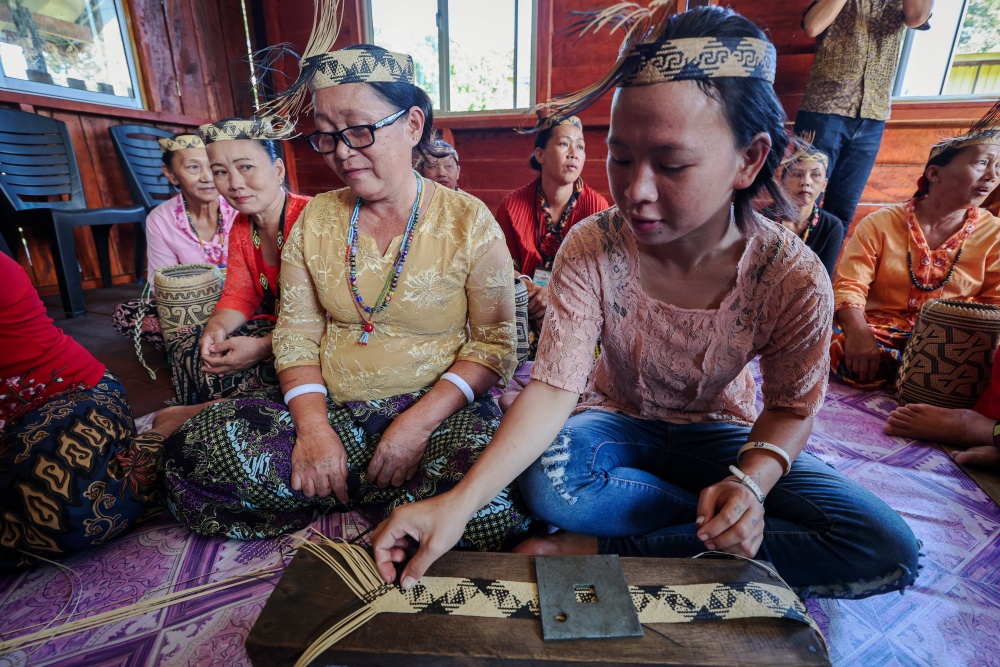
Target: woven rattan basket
(949, 357)
(186, 295)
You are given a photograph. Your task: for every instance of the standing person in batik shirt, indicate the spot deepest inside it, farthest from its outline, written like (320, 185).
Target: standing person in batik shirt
(231, 353)
(536, 218)
(397, 318)
(804, 177)
(938, 245)
(190, 228)
(666, 454)
(846, 102)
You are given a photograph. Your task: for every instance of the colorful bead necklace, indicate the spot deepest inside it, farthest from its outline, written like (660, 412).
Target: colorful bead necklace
(813, 223)
(217, 257)
(970, 217)
(385, 297)
(271, 293)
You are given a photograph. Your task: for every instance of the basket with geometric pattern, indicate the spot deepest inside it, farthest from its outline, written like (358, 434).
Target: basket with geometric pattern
(186, 295)
(948, 359)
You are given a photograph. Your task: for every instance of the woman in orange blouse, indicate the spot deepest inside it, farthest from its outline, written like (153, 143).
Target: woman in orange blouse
(232, 353)
(940, 244)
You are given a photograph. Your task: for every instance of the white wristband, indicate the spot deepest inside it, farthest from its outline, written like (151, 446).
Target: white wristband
(459, 382)
(309, 388)
(745, 480)
(786, 460)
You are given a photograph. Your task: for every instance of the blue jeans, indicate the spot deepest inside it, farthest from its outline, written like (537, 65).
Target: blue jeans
(634, 484)
(852, 145)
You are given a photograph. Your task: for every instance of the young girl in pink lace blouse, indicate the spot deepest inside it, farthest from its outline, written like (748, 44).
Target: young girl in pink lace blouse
(657, 449)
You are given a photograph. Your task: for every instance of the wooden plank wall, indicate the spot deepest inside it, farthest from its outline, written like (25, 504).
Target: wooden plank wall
(191, 56)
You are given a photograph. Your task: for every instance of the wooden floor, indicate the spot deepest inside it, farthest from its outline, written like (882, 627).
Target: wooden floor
(94, 332)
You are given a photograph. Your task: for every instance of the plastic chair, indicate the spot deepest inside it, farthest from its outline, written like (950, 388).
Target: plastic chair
(140, 158)
(41, 189)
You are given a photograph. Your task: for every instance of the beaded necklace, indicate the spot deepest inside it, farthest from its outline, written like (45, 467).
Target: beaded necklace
(970, 215)
(217, 257)
(550, 233)
(813, 223)
(392, 280)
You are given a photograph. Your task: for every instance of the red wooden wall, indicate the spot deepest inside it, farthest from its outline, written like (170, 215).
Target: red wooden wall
(195, 47)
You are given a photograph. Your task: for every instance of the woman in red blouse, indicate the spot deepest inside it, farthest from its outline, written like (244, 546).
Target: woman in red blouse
(231, 353)
(73, 471)
(536, 218)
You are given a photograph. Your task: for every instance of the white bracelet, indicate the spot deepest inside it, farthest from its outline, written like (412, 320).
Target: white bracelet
(786, 460)
(309, 388)
(459, 382)
(745, 480)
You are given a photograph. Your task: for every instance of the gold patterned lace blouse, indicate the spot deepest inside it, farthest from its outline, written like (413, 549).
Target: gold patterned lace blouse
(856, 58)
(454, 300)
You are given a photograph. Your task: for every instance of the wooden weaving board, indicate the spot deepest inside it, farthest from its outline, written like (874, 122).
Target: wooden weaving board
(309, 593)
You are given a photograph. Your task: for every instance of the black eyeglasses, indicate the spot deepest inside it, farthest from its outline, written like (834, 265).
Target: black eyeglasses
(356, 136)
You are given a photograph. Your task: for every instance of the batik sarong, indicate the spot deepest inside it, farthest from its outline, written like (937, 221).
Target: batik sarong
(74, 474)
(891, 342)
(228, 469)
(192, 385)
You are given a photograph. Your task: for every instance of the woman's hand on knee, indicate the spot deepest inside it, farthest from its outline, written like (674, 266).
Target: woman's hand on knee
(319, 463)
(862, 354)
(400, 450)
(730, 519)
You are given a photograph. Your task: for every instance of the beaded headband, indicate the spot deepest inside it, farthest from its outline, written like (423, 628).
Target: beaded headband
(556, 121)
(320, 68)
(180, 142)
(644, 58)
(232, 129)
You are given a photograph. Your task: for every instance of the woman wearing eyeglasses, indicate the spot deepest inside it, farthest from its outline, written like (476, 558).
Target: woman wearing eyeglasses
(231, 354)
(397, 318)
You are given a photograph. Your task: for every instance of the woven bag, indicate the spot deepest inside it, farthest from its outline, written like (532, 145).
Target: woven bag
(949, 357)
(186, 295)
(521, 319)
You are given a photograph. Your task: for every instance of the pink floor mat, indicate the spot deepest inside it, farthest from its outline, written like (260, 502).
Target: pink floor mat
(951, 616)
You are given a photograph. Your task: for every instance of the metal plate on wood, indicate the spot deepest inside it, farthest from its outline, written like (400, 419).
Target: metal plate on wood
(585, 597)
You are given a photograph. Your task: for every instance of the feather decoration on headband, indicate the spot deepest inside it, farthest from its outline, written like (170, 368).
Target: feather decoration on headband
(644, 24)
(986, 130)
(327, 18)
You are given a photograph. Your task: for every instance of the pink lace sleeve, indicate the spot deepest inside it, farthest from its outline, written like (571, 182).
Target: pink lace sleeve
(574, 319)
(795, 361)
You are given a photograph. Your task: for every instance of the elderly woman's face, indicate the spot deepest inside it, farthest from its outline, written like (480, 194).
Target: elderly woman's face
(377, 171)
(245, 175)
(969, 177)
(672, 160)
(189, 171)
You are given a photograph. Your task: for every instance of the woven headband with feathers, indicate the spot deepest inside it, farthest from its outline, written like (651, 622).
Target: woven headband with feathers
(986, 130)
(645, 59)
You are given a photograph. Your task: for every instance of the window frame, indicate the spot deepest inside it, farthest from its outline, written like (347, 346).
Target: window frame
(444, 60)
(941, 97)
(66, 93)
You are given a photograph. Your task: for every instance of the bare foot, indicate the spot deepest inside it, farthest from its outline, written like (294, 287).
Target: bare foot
(170, 419)
(562, 543)
(962, 428)
(987, 456)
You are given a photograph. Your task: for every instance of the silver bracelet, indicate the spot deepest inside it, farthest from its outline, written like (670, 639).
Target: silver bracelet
(746, 481)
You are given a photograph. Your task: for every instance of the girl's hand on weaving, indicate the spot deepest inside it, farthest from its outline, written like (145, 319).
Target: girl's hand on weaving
(319, 462)
(237, 354)
(730, 519)
(399, 451)
(861, 354)
(538, 300)
(436, 524)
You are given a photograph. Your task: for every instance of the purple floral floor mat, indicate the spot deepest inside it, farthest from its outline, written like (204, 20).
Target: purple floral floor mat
(951, 617)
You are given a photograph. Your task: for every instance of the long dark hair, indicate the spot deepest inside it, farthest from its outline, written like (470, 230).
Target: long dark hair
(749, 105)
(541, 141)
(942, 159)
